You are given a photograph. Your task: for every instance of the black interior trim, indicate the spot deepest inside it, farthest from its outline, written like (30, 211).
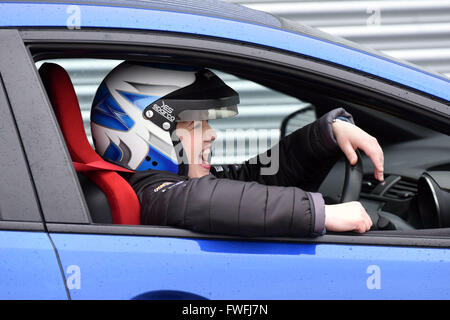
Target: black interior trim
(96, 200)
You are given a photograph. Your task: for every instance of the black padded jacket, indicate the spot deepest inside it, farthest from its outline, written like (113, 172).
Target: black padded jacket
(239, 199)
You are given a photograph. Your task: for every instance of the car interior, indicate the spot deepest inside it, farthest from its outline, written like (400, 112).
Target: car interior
(413, 200)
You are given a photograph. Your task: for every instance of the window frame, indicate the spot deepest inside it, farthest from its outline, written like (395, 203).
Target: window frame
(20, 208)
(48, 159)
(402, 101)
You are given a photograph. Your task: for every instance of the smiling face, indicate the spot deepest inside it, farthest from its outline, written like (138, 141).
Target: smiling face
(197, 138)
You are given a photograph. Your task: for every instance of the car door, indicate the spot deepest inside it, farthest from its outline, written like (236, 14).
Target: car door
(151, 267)
(29, 266)
(150, 262)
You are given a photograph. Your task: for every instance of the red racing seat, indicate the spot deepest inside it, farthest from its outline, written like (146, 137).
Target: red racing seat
(122, 200)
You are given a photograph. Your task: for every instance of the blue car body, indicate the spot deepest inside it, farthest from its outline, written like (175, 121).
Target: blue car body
(47, 265)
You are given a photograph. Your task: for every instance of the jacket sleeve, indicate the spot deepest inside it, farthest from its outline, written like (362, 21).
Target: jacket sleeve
(226, 206)
(302, 159)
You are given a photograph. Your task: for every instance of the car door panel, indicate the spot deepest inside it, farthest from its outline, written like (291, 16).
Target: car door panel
(29, 268)
(130, 267)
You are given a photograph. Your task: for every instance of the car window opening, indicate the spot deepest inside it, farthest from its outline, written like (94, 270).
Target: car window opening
(397, 202)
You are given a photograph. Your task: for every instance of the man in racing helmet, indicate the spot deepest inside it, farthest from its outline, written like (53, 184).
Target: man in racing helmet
(153, 119)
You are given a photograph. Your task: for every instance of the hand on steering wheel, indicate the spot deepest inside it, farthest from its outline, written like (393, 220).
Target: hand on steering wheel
(350, 215)
(350, 138)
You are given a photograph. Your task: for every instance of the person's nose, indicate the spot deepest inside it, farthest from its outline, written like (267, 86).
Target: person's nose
(210, 134)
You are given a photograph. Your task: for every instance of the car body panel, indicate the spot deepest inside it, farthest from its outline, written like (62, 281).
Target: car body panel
(128, 267)
(29, 268)
(104, 16)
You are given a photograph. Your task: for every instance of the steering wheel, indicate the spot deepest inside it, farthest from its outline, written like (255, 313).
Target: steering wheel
(352, 189)
(353, 180)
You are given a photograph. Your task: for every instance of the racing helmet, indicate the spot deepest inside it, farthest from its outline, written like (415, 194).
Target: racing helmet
(137, 106)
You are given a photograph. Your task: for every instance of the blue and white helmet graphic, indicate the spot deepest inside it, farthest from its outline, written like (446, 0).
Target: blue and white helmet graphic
(137, 106)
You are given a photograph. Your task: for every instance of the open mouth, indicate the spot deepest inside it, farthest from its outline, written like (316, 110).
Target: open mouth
(206, 158)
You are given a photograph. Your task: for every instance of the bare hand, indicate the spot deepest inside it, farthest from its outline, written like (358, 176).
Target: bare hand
(349, 216)
(349, 138)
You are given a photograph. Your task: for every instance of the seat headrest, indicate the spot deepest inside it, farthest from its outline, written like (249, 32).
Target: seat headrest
(64, 100)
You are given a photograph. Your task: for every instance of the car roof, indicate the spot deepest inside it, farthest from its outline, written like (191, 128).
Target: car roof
(219, 19)
(211, 8)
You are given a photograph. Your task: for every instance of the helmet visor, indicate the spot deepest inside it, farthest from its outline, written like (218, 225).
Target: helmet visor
(208, 114)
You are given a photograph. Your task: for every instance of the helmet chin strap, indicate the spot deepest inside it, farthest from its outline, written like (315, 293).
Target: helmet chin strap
(183, 169)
